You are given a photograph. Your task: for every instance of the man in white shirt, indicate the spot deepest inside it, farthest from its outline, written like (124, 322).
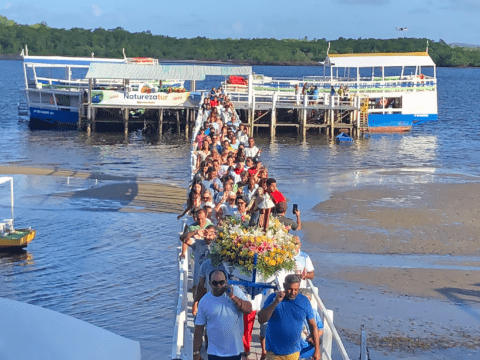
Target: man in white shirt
(252, 151)
(229, 208)
(250, 190)
(303, 265)
(221, 312)
(241, 135)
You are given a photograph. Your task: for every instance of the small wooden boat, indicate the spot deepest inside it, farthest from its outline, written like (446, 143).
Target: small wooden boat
(10, 238)
(343, 139)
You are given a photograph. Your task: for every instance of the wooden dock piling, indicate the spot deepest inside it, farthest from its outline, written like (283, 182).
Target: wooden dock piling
(160, 121)
(125, 120)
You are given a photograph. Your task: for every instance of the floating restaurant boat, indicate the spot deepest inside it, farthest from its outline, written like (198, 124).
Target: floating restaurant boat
(386, 92)
(57, 92)
(400, 89)
(11, 238)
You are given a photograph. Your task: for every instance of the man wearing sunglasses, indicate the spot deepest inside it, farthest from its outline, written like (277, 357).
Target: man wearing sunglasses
(221, 312)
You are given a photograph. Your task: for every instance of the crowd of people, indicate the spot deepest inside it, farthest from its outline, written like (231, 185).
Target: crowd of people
(312, 93)
(230, 180)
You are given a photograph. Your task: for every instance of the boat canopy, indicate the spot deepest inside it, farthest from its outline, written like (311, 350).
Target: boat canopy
(68, 60)
(33, 332)
(161, 72)
(370, 60)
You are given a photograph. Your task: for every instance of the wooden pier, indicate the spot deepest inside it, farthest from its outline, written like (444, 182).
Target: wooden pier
(271, 109)
(259, 107)
(154, 119)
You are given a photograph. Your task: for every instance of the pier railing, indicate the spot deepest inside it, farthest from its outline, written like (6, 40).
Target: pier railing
(183, 335)
(329, 331)
(393, 83)
(182, 347)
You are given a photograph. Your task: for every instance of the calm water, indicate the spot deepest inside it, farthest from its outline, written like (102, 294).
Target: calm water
(115, 269)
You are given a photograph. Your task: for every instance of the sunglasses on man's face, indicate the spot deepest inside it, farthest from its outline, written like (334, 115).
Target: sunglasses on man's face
(218, 283)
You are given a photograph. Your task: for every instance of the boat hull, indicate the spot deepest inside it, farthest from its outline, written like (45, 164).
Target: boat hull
(17, 240)
(53, 117)
(381, 123)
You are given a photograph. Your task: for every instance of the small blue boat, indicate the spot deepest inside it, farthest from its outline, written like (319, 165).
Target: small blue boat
(343, 139)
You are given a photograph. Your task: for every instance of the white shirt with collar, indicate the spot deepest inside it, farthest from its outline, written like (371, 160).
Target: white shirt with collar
(223, 322)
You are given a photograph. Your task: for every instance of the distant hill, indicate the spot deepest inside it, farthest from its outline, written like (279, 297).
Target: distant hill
(44, 40)
(464, 45)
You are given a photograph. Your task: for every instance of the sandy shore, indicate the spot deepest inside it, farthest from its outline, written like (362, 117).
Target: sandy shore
(422, 219)
(404, 308)
(134, 194)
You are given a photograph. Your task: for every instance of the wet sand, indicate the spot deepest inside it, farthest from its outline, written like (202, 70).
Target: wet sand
(420, 219)
(425, 221)
(134, 194)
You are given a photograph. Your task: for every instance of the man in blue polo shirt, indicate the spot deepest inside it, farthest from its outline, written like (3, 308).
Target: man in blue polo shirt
(286, 312)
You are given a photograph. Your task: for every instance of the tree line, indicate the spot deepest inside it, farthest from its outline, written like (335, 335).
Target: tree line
(44, 40)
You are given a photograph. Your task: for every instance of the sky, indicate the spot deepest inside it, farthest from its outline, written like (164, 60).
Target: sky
(450, 20)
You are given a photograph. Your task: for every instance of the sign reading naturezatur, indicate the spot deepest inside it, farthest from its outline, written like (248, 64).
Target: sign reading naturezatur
(133, 98)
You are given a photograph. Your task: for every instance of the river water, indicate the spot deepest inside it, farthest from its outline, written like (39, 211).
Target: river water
(115, 269)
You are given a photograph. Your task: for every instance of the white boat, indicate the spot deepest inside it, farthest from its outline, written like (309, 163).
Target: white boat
(396, 90)
(57, 92)
(35, 333)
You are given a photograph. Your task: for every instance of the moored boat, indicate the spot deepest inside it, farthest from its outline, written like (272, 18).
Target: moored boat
(17, 239)
(32, 332)
(57, 91)
(393, 90)
(343, 138)
(11, 238)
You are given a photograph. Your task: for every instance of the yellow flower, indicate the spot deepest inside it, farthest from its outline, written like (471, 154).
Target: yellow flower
(241, 262)
(272, 263)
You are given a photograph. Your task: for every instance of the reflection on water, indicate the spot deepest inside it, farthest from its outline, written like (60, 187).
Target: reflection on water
(115, 269)
(422, 147)
(18, 258)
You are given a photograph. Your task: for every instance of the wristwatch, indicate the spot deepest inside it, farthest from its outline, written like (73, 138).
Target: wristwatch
(196, 353)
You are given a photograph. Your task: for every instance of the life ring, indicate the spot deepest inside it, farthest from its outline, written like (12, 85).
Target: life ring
(382, 102)
(421, 77)
(53, 100)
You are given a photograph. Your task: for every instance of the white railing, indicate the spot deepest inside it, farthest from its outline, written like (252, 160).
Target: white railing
(329, 330)
(182, 342)
(182, 348)
(405, 84)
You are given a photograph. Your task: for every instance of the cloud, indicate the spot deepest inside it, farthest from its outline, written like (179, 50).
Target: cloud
(362, 2)
(237, 26)
(7, 5)
(96, 10)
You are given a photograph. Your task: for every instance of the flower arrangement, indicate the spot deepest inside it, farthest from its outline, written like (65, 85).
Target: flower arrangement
(237, 245)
